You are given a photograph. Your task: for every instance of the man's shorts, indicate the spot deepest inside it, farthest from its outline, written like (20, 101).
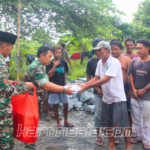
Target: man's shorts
(115, 115)
(56, 98)
(45, 98)
(127, 89)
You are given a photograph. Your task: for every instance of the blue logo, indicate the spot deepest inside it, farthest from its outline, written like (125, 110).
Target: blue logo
(60, 70)
(107, 68)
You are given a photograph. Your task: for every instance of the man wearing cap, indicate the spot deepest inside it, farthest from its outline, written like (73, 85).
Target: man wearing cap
(7, 42)
(116, 50)
(109, 76)
(91, 68)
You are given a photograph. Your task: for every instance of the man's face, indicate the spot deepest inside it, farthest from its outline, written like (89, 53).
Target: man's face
(46, 59)
(129, 46)
(116, 51)
(57, 53)
(101, 53)
(142, 50)
(6, 49)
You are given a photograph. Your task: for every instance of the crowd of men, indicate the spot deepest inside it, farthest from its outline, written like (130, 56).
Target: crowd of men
(121, 85)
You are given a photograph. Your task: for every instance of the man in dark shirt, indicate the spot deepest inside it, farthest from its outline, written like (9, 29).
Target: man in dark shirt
(139, 77)
(57, 71)
(91, 68)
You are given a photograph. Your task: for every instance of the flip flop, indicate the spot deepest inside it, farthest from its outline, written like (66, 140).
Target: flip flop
(99, 141)
(55, 117)
(146, 146)
(133, 135)
(138, 141)
(68, 125)
(59, 127)
(116, 141)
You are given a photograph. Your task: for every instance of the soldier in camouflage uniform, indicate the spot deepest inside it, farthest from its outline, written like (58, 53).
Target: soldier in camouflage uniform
(7, 41)
(6, 115)
(36, 73)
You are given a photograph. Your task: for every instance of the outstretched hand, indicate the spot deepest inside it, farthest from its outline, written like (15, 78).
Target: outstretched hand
(68, 90)
(83, 87)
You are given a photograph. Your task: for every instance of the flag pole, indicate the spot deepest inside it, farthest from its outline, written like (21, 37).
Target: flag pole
(19, 10)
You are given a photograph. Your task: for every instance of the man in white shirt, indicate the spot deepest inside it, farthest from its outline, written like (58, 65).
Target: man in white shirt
(114, 108)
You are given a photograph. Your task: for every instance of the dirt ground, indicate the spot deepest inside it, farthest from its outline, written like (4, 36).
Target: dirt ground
(80, 137)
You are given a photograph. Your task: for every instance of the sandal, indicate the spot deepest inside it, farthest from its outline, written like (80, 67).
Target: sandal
(59, 127)
(134, 141)
(68, 125)
(48, 117)
(99, 142)
(116, 141)
(133, 135)
(145, 146)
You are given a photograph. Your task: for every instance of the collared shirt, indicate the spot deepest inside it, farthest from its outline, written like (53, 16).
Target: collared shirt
(113, 90)
(36, 73)
(134, 55)
(4, 74)
(64, 55)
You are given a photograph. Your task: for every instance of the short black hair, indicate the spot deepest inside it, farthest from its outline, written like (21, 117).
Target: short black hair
(57, 47)
(116, 42)
(63, 45)
(130, 39)
(43, 50)
(145, 42)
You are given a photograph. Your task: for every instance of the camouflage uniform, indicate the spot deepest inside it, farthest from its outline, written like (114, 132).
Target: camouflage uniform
(4, 75)
(6, 116)
(6, 142)
(36, 73)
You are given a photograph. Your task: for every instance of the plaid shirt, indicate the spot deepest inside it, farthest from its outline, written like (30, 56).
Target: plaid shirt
(64, 55)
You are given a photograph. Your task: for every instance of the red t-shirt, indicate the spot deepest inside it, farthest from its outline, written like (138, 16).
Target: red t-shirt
(134, 55)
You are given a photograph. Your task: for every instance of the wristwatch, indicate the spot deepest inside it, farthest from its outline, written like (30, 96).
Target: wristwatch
(63, 90)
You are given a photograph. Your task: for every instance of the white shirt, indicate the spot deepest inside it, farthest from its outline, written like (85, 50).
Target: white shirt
(113, 90)
(7, 59)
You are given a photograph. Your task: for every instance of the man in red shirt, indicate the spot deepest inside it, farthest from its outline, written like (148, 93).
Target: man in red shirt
(129, 45)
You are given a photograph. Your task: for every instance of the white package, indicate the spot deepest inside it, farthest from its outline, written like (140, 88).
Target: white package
(76, 88)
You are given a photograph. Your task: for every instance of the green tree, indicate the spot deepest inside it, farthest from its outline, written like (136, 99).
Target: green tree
(141, 21)
(81, 18)
(143, 13)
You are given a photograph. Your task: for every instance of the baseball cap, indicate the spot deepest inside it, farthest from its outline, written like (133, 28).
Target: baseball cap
(96, 41)
(102, 44)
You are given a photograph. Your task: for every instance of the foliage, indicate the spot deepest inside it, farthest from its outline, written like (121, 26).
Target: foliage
(143, 13)
(81, 18)
(25, 48)
(78, 71)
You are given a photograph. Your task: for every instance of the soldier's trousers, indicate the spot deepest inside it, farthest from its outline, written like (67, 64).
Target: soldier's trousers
(29, 146)
(7, 137)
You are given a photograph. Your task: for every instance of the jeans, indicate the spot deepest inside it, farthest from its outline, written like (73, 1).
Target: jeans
(98, 110)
